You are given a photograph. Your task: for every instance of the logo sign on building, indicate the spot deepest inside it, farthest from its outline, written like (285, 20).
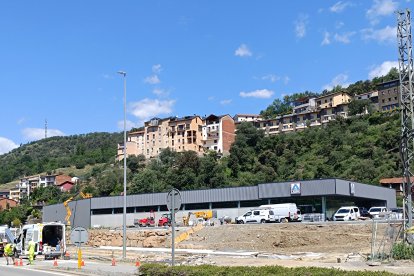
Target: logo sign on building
(352, 188)
(295, 188)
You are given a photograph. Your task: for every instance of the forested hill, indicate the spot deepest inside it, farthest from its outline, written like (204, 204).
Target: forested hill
(360, 148)
(52, 153)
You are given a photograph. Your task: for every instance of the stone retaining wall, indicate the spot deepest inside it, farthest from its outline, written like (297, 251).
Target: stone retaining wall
(143, 238)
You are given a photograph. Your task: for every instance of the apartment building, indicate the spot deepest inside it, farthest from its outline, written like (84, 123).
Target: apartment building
(238, 118)
(333, 105)
(135, 144)
(218, 133)
(389, 95)
(156, 136)
(371, 96)
(186, 134)
(28, 184)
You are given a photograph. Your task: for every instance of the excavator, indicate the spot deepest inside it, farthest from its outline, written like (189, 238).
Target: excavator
(66, 204)
(205, 216)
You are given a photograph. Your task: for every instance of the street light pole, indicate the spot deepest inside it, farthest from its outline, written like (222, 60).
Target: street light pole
(125, 181)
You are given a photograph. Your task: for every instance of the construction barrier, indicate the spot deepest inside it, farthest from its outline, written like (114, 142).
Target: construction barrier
(185, 235)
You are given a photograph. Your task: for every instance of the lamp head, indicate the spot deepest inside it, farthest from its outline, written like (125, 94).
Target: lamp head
(122, 73)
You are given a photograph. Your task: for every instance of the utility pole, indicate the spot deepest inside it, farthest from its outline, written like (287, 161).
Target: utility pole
(405, 62)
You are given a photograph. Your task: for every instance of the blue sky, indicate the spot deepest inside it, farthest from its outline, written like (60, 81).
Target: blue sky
(58, 59)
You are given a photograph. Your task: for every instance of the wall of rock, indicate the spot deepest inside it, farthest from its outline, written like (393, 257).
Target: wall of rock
(141, 238)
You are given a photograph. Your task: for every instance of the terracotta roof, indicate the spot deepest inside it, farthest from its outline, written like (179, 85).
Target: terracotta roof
(65, 182)
(62, 178)
(394, 180)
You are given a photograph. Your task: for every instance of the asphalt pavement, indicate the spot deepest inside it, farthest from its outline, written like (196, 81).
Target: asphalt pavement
(68, 267)
(11, 270)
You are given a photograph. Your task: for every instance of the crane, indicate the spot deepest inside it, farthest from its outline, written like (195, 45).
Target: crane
(66, 204)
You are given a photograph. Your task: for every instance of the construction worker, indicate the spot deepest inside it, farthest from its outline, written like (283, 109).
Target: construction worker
(8, 251)
(31, 248)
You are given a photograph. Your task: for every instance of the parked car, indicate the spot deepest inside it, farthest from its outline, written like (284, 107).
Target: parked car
(397, 213)
(347, 213)
(375, 211)
(284, 212)
(364, 212)
(256, 216)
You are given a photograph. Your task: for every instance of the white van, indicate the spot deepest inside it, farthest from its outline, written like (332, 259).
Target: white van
(284, 212)
(374, 212)
(347, 213)
(256, 216)
(49, 239)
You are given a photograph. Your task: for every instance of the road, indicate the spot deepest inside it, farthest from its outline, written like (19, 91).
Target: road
(23, 271)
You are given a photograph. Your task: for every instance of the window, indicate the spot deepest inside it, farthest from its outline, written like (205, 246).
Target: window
(256, 213)
(215, 141)
(383, 101)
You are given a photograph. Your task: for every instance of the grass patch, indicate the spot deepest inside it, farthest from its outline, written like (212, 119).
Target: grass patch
(210, 270)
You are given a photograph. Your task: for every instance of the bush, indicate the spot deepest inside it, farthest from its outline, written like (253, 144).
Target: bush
(403, 251)
(209, 270)
(16, 222)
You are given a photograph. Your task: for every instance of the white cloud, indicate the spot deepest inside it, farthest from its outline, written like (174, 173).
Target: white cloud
(286, 80)
(339, 24)
(387, 34)
(33, 134)
(210, 98)
(129, 124)
(243, 51)
(300, 25)
(271, 78)
(381, 8)
(326, 39)
(107, 76)
(148, 108)
(152, 79)
(344, 38)
(226, 102)
(6, 145)
(263, 94)
(383, 69)
(339, 6)
(160, 92)
(156, 69)
(340, 79)
(21, 121)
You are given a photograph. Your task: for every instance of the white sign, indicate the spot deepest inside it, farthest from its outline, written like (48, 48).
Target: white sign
(79, 235)
(295, 188)
(174, 193)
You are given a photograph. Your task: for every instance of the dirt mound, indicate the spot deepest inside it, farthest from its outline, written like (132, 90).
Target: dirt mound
(284, 238)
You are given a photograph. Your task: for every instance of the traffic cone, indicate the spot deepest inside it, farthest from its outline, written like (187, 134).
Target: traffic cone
(113, 262)
(55, 262)
(66, 256)
(82, 263)
(16, 262)
(137, 264)
(21, 262)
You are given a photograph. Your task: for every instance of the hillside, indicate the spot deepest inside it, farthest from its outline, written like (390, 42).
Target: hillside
(363, 148)
(49, 154)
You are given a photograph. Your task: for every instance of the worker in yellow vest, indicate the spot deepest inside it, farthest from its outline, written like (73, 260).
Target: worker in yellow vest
(31, 248)
(8, 252)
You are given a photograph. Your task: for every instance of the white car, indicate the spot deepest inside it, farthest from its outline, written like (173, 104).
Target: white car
(256, 216)
(375, 211)
(347, 213)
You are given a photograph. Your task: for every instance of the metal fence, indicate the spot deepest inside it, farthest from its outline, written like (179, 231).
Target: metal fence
(313, 217)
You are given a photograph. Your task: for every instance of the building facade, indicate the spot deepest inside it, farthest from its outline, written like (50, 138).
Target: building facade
(218, 133)
(325, 195)
(186, 134)
(389, 95)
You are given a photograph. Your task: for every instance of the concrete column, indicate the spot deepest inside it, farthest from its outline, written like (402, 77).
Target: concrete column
(159, 208)
(268, 201)
(210, 205)
(324, 206)
(183, 207)
(238, 204)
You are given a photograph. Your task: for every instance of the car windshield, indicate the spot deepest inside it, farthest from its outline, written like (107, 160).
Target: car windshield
(375, 210)
(343, 211)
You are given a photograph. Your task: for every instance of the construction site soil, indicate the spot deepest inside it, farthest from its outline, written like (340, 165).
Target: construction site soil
(286, 238)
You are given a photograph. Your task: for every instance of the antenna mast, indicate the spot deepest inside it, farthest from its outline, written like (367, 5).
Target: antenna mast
(405, 62)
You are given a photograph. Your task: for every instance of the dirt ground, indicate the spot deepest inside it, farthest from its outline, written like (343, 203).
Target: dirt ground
(287, 238)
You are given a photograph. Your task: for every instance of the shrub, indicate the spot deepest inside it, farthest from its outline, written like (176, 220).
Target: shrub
(209, 270)
(403, 251)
